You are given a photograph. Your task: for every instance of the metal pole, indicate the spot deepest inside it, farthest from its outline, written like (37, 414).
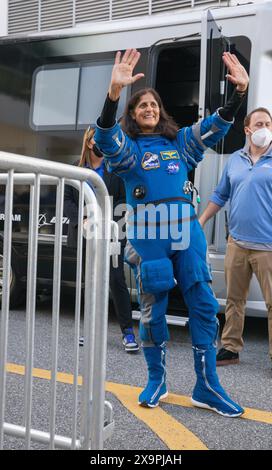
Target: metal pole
(77, 311)
(90, 296)
(39, 436)
(31, 301)
(5, 297)
(56, 308)
(101, 324)
(45, 167)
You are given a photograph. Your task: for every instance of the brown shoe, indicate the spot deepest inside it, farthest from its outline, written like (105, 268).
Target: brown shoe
(225, 357)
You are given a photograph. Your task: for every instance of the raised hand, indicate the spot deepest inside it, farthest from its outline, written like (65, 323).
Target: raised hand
(237, 74)
(122, 72)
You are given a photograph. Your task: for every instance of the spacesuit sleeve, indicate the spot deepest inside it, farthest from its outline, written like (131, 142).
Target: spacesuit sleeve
(117, 148)
(194, 140)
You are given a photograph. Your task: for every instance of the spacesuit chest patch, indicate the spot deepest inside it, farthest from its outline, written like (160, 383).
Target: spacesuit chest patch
(150, 161)
(170, 155)
(172, 168)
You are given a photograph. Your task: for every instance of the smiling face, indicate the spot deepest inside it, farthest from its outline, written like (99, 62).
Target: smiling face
(146, 113)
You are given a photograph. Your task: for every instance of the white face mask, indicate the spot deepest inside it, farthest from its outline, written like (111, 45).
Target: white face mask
(262, 137)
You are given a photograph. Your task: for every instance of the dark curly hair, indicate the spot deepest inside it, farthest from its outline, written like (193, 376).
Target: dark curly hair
(166, 125)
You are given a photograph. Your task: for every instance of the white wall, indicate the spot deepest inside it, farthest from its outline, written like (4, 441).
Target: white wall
(3, 17)
(4, 12)
(244, 2)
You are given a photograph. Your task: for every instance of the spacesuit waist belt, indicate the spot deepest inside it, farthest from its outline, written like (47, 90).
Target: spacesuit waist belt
(160, 201)
(159, 223)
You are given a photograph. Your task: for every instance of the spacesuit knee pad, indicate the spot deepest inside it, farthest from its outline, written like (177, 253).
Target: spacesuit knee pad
(156, 334)
(157, 276)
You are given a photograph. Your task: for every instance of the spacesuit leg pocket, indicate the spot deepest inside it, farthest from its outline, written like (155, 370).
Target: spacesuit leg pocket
(157, 276)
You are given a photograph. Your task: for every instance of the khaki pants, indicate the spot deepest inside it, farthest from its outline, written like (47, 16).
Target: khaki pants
(240, 264)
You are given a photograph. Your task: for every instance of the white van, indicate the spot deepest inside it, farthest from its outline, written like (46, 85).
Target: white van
(53, 85)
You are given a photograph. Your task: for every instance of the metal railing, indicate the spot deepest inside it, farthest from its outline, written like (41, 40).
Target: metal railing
(36, 172)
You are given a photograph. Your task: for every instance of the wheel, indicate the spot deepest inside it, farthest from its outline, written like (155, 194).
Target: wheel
(17, 291)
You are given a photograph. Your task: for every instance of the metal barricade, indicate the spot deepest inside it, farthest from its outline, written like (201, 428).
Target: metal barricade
(36, 172)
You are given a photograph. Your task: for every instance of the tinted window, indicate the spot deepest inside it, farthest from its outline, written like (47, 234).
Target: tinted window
(70, 96)
(54, 97)
(94, 84)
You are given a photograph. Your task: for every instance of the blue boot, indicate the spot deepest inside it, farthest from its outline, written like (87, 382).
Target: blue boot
(208, 393)
(156, 386)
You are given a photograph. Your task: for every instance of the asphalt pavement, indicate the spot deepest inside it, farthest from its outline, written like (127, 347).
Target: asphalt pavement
(249, 383)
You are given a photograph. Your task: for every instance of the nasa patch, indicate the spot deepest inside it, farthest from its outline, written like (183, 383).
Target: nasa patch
(172, 168)
(150, 161)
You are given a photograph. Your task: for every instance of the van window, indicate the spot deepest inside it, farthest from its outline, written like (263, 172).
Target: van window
(94, 85)
(55, 97)
(68, 96)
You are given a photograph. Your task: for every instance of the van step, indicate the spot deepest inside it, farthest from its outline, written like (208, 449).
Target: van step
(171, 319)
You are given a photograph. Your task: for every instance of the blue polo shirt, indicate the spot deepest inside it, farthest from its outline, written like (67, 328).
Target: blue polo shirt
(248, 188)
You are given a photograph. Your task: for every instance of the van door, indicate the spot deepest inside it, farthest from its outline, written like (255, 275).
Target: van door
(213, 91)
(173, 70)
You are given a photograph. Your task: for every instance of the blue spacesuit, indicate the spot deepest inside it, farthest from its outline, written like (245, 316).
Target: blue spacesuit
(166, 245)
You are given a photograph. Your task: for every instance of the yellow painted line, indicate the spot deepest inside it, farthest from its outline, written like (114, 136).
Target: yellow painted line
(180, 400)
(173, 399)
(258, 415)
(250, 413)
(42, 374)
(171, 432)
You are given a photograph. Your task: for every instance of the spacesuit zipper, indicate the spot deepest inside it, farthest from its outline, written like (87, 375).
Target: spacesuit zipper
(210, 388)
(162, 381)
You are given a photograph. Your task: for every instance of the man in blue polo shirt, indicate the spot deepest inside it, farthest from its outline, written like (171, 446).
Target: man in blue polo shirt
(247, 184)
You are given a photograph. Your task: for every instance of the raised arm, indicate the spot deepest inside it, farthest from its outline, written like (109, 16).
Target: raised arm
(116, 146)
(122, 76)
(207, 132)
(122, 72)
(237, 74)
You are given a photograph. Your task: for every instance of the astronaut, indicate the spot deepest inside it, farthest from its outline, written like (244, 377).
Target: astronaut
(154, 157)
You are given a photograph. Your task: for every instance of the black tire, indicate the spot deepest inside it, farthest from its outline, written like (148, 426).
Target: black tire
(17, 291)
